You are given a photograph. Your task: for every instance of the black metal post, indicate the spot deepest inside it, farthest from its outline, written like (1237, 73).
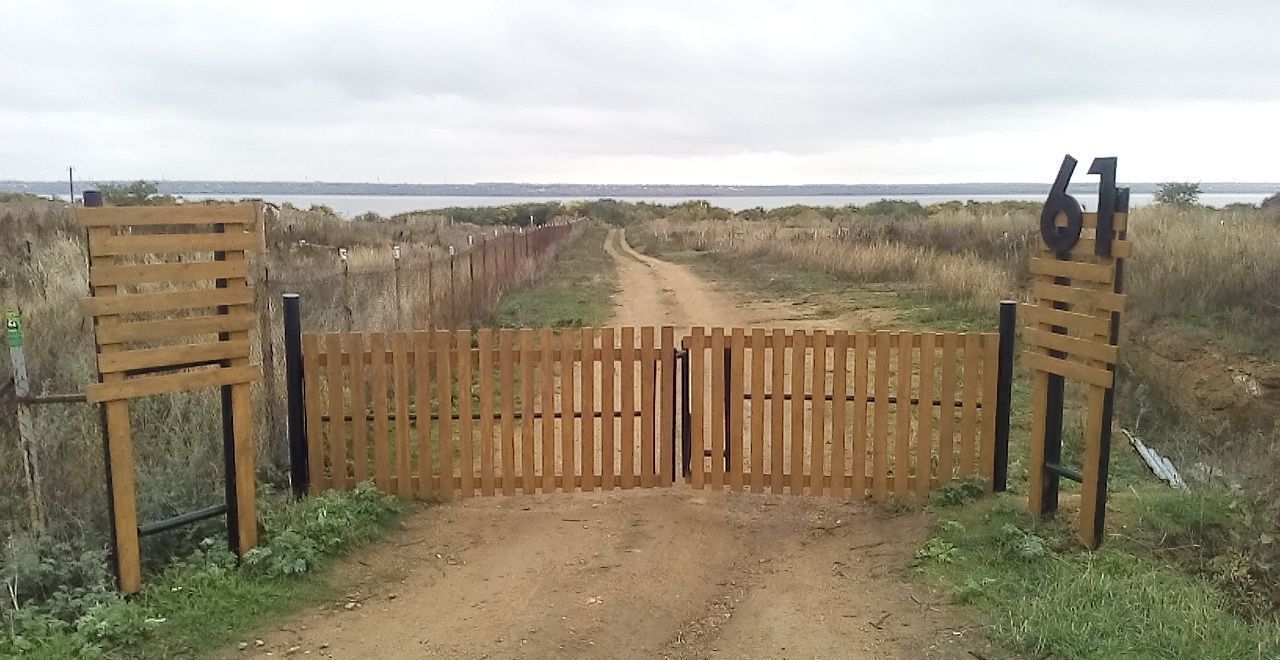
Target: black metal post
(299, 470)
(686, 417)
(728, 409)
(1108, 399)
(1004, 393)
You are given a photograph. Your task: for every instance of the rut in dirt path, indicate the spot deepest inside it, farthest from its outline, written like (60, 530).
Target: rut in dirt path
(657, 292)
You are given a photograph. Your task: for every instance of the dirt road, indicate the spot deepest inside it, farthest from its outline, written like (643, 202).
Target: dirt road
(667, 573)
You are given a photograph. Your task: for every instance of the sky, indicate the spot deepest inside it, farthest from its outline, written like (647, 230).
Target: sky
(742, 92)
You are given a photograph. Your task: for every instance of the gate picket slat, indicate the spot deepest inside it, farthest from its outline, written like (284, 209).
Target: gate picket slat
(627, 439)
(947, 412)
(734, 446)
(880, 428)
(666, 447)
(777, 415)
(400, 369)
(588, 410)
(528, 481)
(546, 366)
(757, 409)
(697, 416)
(422, 412)
(799, 338)
(359, 408)
(608, 385)
(902, 434)
(818, 415)
(381, 434)
(647, 402)
(506, 373)
(484, 341)
(466, 427)
(969, 410)
(311, 379)
(719, 388)
(924, 421)
(839, 403)
(337, 425)
(990, 365)
(861, 374)
(444, 393)
(568, 430)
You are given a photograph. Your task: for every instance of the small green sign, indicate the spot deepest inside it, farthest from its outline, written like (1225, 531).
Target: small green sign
(13, 329)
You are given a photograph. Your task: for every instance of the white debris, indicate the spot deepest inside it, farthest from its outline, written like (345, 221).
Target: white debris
(1160, 466)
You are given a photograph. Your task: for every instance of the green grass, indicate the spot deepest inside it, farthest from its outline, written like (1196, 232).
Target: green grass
(577, 289)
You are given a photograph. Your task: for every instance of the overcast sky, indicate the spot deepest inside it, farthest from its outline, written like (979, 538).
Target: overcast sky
(639, 92)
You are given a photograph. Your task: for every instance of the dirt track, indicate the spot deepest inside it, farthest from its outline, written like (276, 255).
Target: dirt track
(667, 573)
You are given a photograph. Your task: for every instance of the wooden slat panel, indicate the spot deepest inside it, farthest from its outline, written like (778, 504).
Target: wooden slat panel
(588, 443)
(1084, 325)
(167, 273)
(861, 374)
(311, 384)
(546, 369)
(179, 382)
(528, 465)
(400, 374)
(880, 429)
(757, 344)
(1072, 370)
(648, 393)
(1076, 270)
(797, 414)
(120, 332)
(924, 414)
(817, 420)
(947, 414)
(839, 405)
(359, 408)
(167, 356)
(608, 389)
(718, 389)
(667, 394)
(1082, 348)
(381, 433)
(627, 425)
(444, 396)
(187, 214)
(734, 445)
(167, 301)
(507, 447)
(484, 372)
(568, 425)
(777, 412)
(466, 436)
(1087, 298)
(422, 358)
(126, 244)
(902, 433)
(337, 409)
(969, 410)
(987, 436)
(697, 408)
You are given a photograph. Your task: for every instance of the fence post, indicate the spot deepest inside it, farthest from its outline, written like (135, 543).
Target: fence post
(395, 255)
(26, 427)
(1004, 393)
(299, 470)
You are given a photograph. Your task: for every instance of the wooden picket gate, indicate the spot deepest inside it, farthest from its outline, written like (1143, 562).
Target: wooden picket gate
(455, 414)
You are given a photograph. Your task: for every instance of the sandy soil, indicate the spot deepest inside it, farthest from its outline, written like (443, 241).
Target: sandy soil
(665, 573)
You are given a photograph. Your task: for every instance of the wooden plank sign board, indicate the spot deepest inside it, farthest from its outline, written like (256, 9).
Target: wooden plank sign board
(203, 325)
(1072, 332)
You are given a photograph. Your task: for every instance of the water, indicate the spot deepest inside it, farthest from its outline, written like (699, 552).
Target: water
(349, 206)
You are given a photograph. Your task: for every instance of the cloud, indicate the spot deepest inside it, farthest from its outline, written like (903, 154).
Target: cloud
(564, 90)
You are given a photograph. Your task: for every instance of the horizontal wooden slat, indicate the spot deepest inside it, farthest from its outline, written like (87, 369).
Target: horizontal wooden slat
(167, 301)
(165, 243)
(188, 271)
(1119, 221)
(596, 481)
(1079, 270)
(145, 358)
(1089, 298)
(1120, 249)
(534, 356)
(1072, 370)
(895, 338)
(188, 214)
(1076, 324)
(240, 321)
(1093, 350)
(151, 385)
